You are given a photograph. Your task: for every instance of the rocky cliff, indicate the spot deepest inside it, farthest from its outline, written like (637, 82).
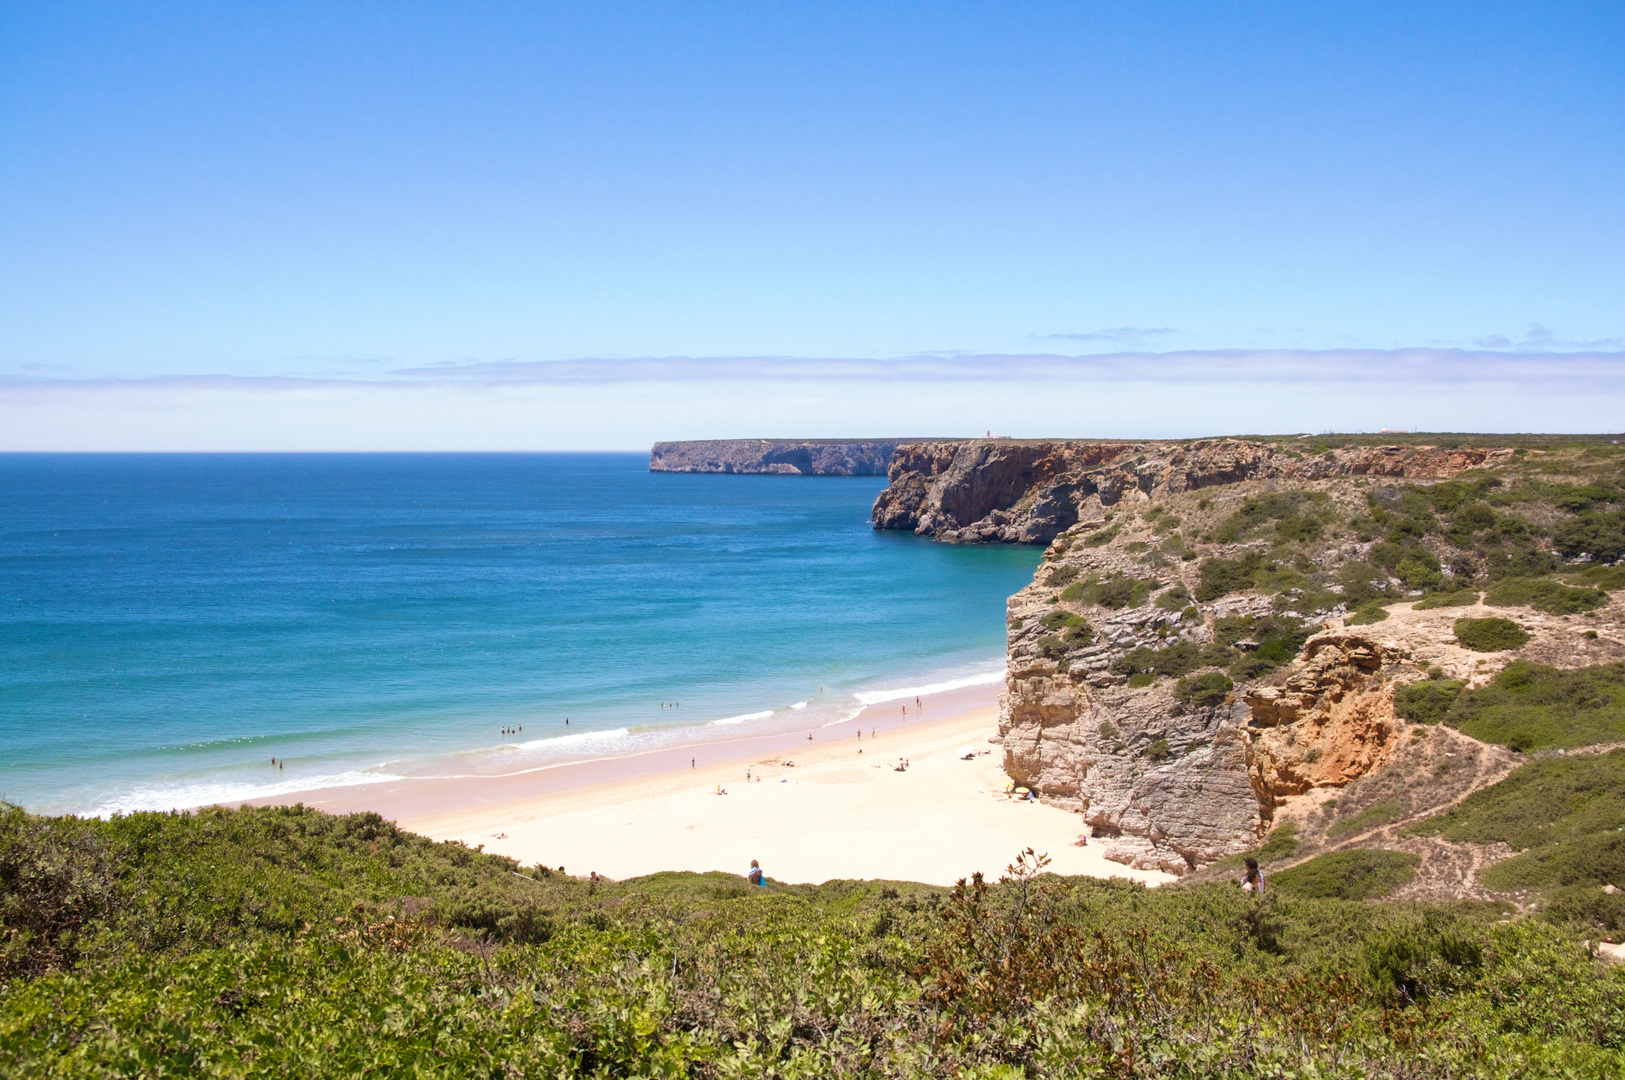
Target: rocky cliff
(1028, 492)
(1217, 629)
(795, 457)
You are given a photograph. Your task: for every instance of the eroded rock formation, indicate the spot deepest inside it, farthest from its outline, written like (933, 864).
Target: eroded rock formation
(1330, 722)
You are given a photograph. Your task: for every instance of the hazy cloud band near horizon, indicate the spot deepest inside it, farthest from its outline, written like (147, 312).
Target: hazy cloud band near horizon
(602, 404)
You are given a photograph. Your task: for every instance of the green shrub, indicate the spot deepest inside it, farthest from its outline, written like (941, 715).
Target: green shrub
(1177, 659)
(1490, 635)
(1070, 632)
(1117, 592)
(1281, 843)
(1357, 578)
(1458, 598)
(1175, 599)
(1102, 537)
(1376, 814)
(1606, 578)
(1203, 691)
(1220, 577)
(1426, 702)
(1158, 750)
(1600, 535)
(1518, 559)
(1286, 508)
(1142, 679)
(1060, 575)
(260, 942)
(1531, 706)
(1544, 595)
(1372, 611)
(1359, 874)
(1566, 818)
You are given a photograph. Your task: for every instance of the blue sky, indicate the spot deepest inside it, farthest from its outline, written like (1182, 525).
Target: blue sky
(212, 218)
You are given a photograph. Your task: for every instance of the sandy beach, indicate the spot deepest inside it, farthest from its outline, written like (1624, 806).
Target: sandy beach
(841, 810)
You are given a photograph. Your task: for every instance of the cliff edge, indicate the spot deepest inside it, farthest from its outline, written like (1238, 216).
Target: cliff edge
(1029, 491)
(789, 457)
(1217, 637)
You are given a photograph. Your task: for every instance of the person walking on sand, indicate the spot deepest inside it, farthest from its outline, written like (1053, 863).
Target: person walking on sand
(1253, 880)
(754, 875)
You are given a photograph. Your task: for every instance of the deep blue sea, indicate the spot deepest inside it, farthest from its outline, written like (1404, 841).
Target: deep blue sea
(169, 623)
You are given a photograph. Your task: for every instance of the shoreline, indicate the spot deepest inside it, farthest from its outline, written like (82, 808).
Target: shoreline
(421, 793)
(820, 809)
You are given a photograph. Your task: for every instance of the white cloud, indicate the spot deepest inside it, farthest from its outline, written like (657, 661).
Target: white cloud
(598, 404)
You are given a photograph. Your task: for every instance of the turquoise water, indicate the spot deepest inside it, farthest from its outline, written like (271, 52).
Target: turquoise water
(168, 624)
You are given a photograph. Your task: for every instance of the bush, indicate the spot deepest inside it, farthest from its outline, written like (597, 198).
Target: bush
(1158, 750)
(1426, 702)
(56, 882)
(1175, 599)
(1372, 611)
(1102, 537)
(1220, 577)
(1075, 633)
(1060, 575)
(1606, 578)
(1376, 814)
(1600, 535)
(1459, 598)
(1531, 706)
(1356, 579)
(1177, 659)
(1490, 635)
(1564, 816)
(1281, 843)
(1286, 508)
(258, 942)
(1544, 595)
(1204, 691)
(1115, 593)
(1359, 874)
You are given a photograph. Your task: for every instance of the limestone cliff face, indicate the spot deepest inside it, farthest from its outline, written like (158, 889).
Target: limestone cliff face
(1028, 492)
(1330, 722)
(805, 457)
(1174, 707)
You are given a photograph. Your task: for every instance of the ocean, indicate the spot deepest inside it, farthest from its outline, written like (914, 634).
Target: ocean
(170, 623)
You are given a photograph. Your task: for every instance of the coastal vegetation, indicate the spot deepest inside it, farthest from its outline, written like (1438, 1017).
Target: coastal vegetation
(1490, 635)
(287, 942)
(1526, 706)
(1565, 816)
(1356, 874)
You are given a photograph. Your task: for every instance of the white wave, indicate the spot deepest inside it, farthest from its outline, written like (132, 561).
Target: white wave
(874, 697)
(567, 740)
(844, 717)
(185, 796)
(742, 719)
(799, 705)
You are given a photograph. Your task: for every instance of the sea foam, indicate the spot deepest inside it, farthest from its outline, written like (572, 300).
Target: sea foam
(875, 697)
